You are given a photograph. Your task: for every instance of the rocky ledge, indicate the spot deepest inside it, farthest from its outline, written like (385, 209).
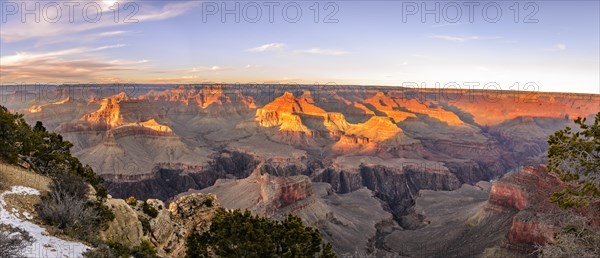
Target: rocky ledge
(168, 228)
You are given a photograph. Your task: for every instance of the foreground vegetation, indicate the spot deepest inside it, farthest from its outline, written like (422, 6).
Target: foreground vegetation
(46, 152)
(67, 206)
(575, 158)
(240, 234)
(13, 241)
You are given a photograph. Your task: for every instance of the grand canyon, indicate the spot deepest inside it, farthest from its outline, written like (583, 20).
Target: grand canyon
(299, 129)
(380, 171)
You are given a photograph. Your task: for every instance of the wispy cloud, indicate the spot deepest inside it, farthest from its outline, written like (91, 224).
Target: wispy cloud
(312, 51)
(453, 38)
(556, 47)
(85, 38)
(181, 79)
(320, 51)
(267, 47)
(15, 30)
(460, 39)
(207, 68)
(447, 24)
(112, 33)
(73, 64)
(24, 57)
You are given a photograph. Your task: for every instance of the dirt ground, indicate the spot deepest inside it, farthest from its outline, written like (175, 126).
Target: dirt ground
(12, 175)
(23, 204)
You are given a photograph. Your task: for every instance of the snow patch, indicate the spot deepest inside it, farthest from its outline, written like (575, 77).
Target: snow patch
(43, 245)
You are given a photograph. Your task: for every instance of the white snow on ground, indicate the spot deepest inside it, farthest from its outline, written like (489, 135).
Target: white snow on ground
(43, 245)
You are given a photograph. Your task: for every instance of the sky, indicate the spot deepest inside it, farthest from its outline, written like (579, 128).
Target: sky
(540, 45)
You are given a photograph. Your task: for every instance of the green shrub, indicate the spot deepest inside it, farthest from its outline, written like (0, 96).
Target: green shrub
(575, 157)
(239, 234)
(149, 210)
(145, 224)
(144, 250)
(208, 202)
(118, 249)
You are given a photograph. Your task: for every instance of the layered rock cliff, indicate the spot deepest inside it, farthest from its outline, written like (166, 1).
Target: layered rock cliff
(160, 141)
(527, 191)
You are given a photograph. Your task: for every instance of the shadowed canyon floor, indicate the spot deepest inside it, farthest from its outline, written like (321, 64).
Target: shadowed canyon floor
(363, 164)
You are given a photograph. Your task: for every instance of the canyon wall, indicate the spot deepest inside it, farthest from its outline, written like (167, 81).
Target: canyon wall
(158, 141)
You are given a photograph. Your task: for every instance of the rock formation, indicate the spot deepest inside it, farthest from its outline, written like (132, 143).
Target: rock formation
(171, 226)
(507, 218)
(158, 141)
(125, 228)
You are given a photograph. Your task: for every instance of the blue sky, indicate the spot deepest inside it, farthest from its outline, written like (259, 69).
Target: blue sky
(369, 44)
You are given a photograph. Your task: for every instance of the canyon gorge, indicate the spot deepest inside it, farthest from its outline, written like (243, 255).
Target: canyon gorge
(379, 170)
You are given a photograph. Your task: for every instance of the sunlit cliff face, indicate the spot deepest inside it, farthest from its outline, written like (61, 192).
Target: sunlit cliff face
(288, 113)
(387, 105)
(201, 98)
(39, 108)
(437, 112)
(302, 115)
(153, 125)
(109, 112)
(284, 112)
(491, 108)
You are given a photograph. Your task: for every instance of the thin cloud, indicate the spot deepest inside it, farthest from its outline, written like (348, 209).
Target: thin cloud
(166, 12)
(267, 47)
(74, 64)
(447, 24)
(57, 69)
(174, 80)
(459, 39)
(453, 38)
(24, 57)
(113, 33)
(107, 47)
(207, 69)
(313, 51)
(15, 30)
(556, 47)
(86, 38)
(320, 51)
